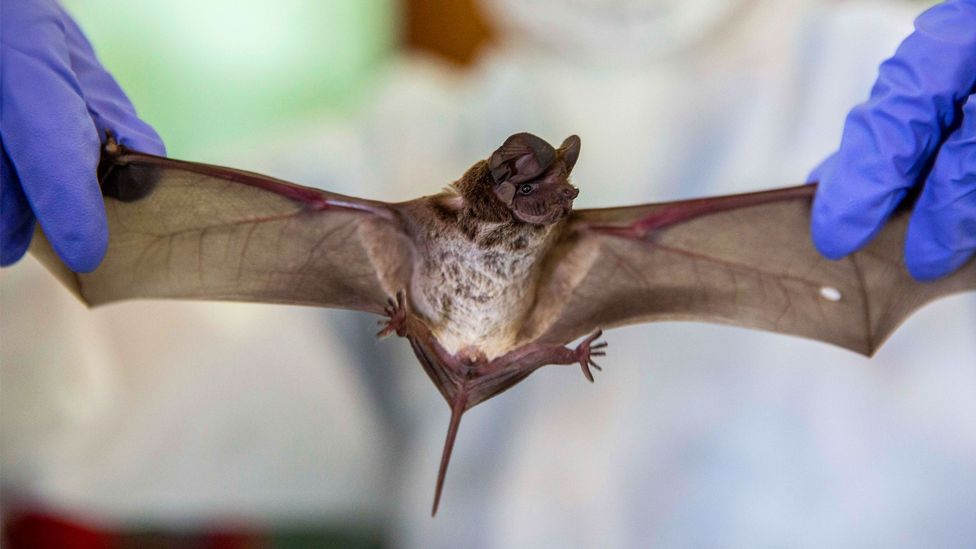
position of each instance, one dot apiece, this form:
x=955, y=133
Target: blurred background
x=216, y=76
x=168, y=424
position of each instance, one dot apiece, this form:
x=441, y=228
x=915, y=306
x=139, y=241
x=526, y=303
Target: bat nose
x=570, y=192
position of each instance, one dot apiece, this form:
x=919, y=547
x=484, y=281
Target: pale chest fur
x=474, y=295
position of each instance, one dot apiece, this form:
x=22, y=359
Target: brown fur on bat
x=491, y=280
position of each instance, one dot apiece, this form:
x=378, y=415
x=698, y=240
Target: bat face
x=545, y=200
x=532, y=178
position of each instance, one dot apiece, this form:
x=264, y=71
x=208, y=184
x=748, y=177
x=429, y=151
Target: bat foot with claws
x=588, y=349
x=396, y=311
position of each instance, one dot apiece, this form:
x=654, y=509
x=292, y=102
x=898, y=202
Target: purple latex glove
x=56, y=101
x=918, y=128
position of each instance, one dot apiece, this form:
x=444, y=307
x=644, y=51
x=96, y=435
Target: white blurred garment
x=693, y=436
x=176, y=414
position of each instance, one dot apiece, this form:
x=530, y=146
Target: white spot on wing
x=830, y=293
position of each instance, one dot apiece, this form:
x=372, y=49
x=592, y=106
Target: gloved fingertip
x=848, y=211
x=146, y=141
x=13, y=250
x=83, y=256
x=829, y=245
x=82, y=243
x=832, y=236
x=926, y=257
x=925, y=268
x=820, y=172
x=826, y=228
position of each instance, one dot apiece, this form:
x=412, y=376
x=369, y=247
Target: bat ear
x=522, y=157
x=569, y=151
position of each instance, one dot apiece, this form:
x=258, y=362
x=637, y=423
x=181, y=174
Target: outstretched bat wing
x=745, y=260
x=194, y=231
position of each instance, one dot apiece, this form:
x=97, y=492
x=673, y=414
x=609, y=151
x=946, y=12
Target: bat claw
x=586, y=372
x=397, y=316
x=585, y=352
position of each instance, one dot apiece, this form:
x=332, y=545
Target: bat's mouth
x=552, y=213
x=545, y=208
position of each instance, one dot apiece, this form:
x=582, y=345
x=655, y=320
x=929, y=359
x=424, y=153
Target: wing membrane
x=745, y=260
x=194, y=231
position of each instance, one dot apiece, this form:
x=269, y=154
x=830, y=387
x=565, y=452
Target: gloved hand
x=56, y=101
x=917, y=128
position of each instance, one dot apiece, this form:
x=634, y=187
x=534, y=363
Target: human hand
x=56, y=102
x=917, y=128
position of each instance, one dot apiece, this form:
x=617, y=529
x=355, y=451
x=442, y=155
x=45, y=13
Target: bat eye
x=525, y=189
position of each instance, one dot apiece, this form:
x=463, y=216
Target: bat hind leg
x=467, y=378
x=528, y=358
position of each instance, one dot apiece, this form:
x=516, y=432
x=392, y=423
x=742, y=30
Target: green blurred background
x=212, y=74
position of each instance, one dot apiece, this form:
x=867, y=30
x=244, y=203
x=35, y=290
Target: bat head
x=532, y=178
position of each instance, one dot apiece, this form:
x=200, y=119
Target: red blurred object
x=40, y=531
x=35, y=530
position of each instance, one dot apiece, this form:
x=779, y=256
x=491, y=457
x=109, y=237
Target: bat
x=494, y=277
